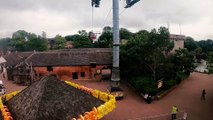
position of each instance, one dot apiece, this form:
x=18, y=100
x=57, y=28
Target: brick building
x=178, y=41
x=72, y=64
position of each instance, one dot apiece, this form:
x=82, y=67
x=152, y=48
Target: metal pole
x=115, y=79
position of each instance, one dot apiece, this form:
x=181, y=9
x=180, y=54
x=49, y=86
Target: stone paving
x=186, y=96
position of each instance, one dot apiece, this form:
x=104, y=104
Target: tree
x=206, y=45
x=159, y=45
x=5, y=44
x=125, y=34
x=60, y=42
x=105, y=40
x=24, y=41
x=107, y=29
x=184, y=63
x=83, y=33
x=69, y=38
x=81, y=41
x=147, y=50
x=210, y=62
x=19, y=39
x=190, y=44
x=198, y=53
x=20, y=34
x=132, y=56
x=37, y=43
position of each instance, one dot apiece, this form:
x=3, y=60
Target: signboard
x=160, y=83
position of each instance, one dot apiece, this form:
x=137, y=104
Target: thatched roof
x=72, y=57
x=51, y=99
x=14, y=58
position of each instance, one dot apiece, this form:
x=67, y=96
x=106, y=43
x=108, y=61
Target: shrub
x=180, y=76
x=168, y=84
x=144, y=85
x=210, y=70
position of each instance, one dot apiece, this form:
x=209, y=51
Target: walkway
x=10, y=87
x=186, y=96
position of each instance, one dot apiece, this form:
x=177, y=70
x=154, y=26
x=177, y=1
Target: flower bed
x=94, y=114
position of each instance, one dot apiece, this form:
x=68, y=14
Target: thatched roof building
x=51, y=99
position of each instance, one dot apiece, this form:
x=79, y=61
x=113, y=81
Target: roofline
x=70, y=65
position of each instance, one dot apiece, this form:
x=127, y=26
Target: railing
x=167, y=116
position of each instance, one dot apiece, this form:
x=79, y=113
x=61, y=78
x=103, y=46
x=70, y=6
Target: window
x=49, y=68
x=74, y=75
x=82, y=74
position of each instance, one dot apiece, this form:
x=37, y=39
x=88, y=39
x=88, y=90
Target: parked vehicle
x=2, y=88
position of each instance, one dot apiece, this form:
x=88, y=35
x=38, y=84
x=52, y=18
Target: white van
x=2, y=88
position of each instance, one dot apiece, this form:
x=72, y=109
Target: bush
x=168, y=84
x=180, y=76
x=144, y=85
x=210, y=70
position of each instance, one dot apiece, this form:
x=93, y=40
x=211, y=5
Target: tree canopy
x=60, y=42
x=24, y=41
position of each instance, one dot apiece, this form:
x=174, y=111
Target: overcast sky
x=65, y=17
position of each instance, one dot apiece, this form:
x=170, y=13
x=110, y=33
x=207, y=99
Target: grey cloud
x=65, y=16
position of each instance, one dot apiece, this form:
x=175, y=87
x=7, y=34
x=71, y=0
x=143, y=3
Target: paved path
x=186, y=96
x=10, y=87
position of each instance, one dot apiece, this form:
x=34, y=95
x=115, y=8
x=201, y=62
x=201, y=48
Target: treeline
x=200, y=49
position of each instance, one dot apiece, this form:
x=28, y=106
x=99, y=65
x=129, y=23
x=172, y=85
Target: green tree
x=105, y=39
x=132, y=56
x=5, y=44
x=206, y=45
x=198, y=53
x=24, y=41
x=147, y=50
x=69, y=38
x=125, y=34
x=190, y=44
x=83, y=33
x=60, y=42
x=81, y=41
x=37, y=43
x=158, y=45
x=184, y=64
x=19, y=39
x=210, y=62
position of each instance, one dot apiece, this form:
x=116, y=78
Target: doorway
x=74, y=75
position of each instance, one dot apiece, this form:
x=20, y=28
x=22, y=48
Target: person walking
x=203, y=95
x=174, y=112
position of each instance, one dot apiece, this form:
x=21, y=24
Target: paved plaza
x=186, y=96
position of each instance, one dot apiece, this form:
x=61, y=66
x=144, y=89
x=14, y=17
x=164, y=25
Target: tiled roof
x=73, y=57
